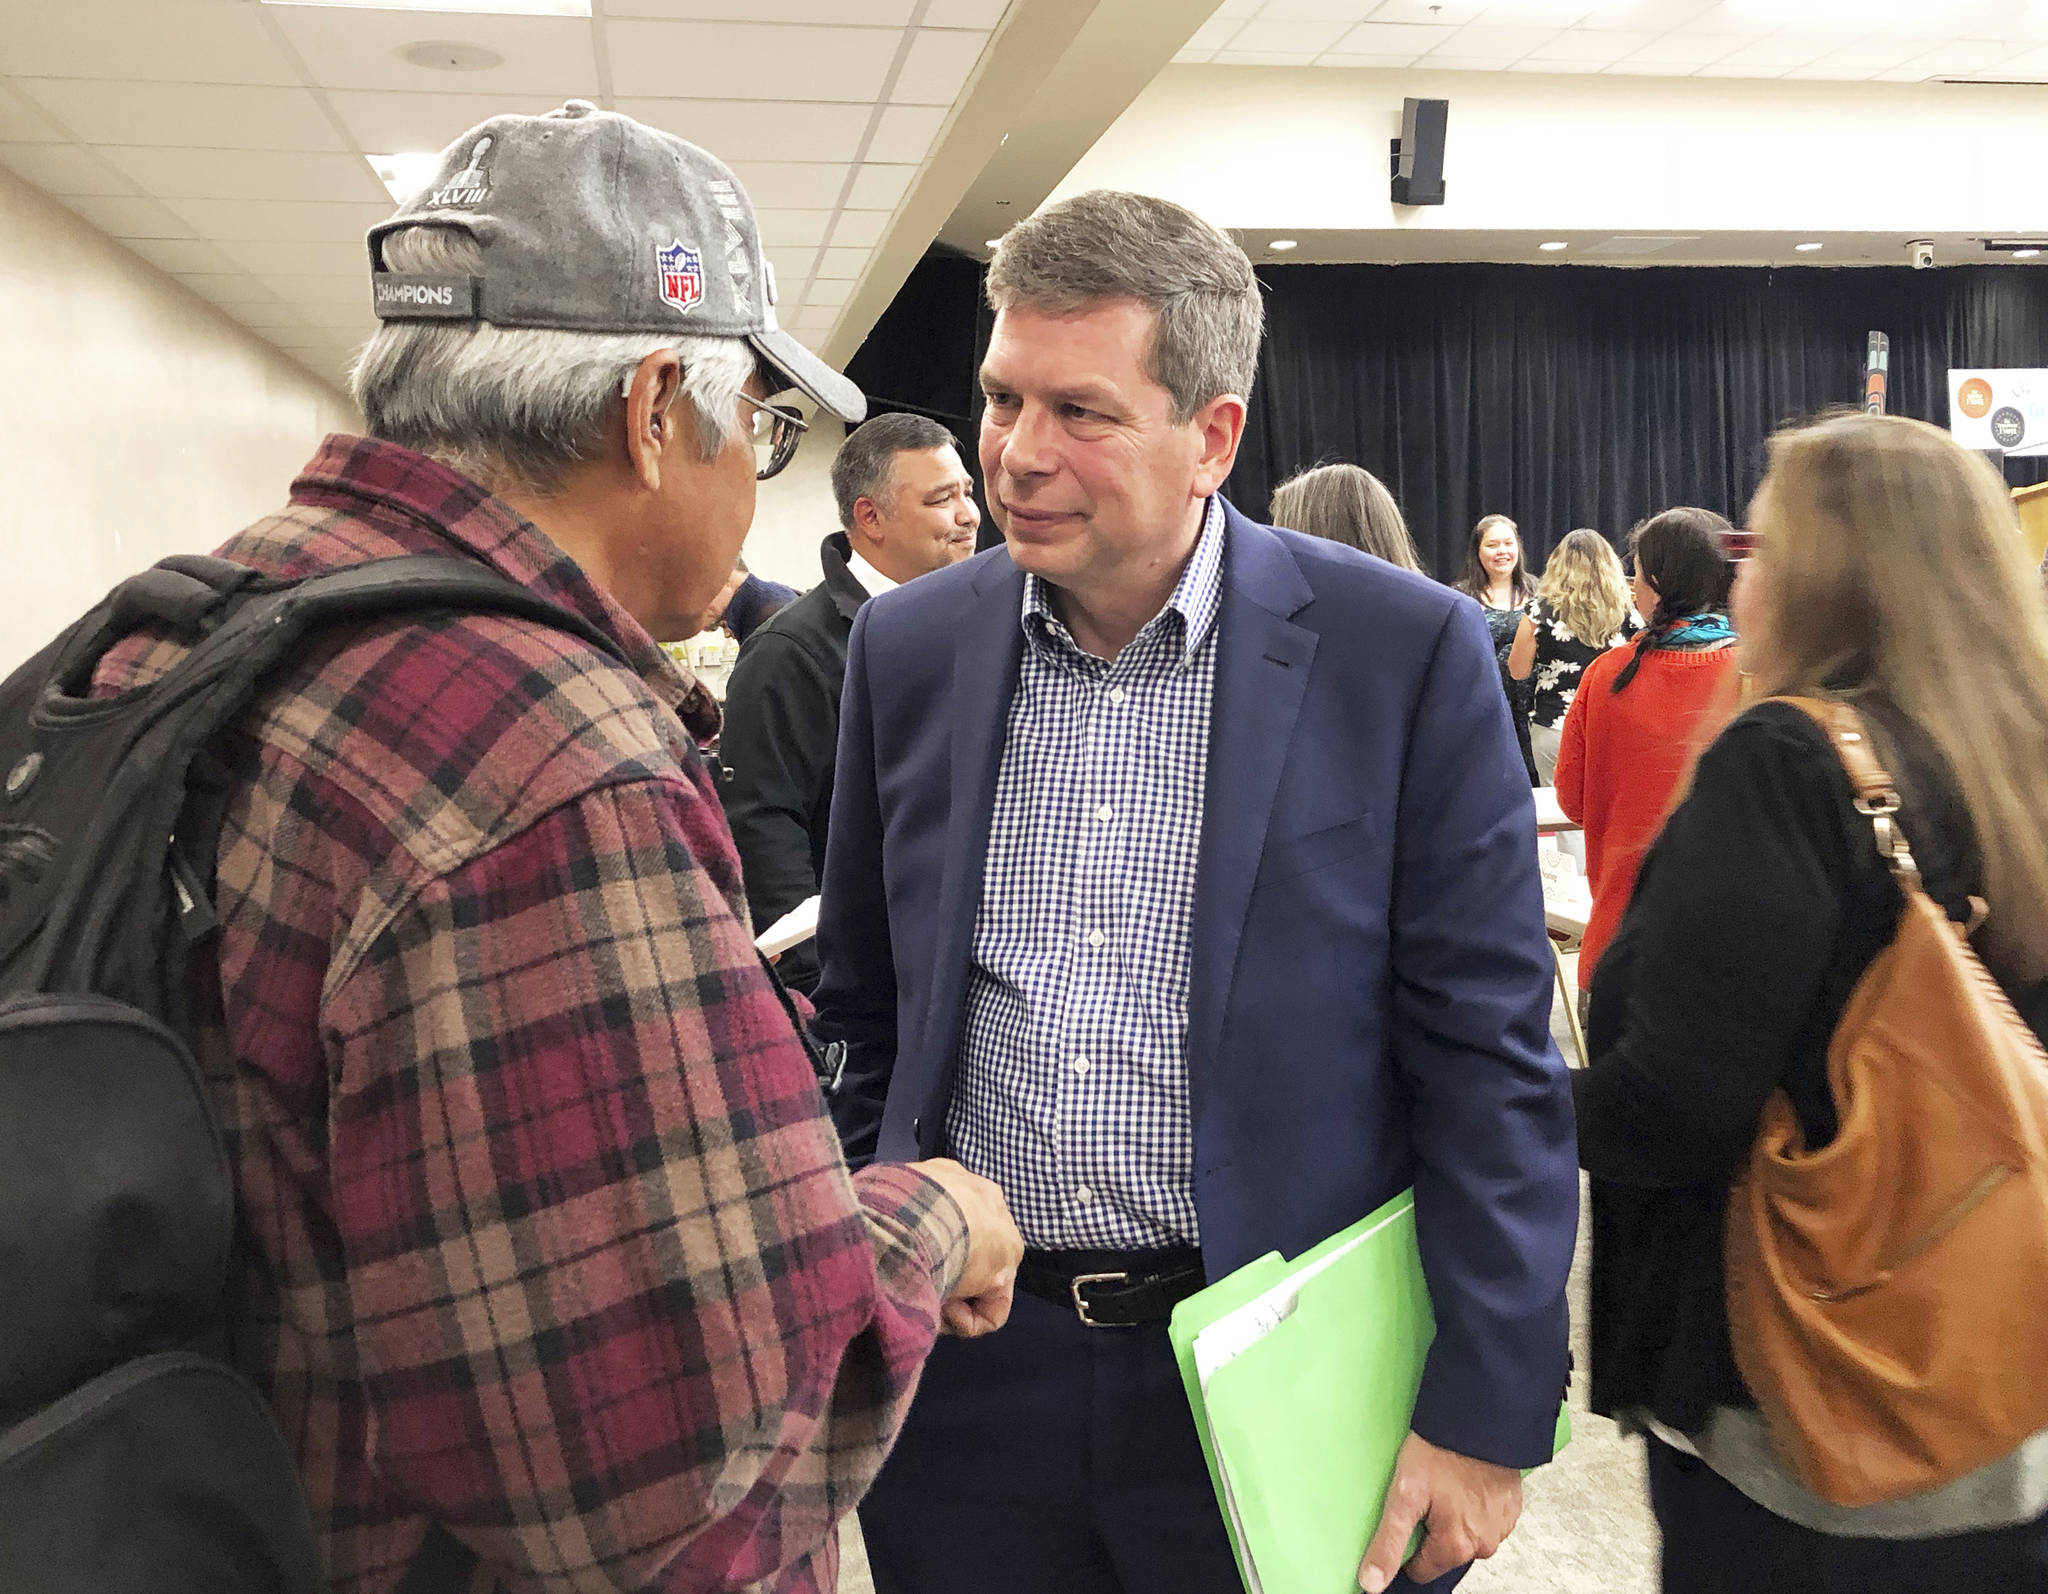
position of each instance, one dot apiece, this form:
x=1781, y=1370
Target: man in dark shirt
x=906, y=506
x=745, y=603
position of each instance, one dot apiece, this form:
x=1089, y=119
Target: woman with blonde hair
x=1581, y=609
x=1889, y=575
x=1344, y=503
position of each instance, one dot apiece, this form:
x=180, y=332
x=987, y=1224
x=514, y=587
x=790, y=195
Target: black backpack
x=133, y=1457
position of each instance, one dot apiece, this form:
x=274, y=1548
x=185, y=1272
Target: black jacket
x=1755, y=913
x=781, y=734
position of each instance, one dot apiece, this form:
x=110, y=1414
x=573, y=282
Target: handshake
x=980, y=1302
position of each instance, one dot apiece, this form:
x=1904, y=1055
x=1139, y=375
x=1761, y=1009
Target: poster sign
x=2005, y=410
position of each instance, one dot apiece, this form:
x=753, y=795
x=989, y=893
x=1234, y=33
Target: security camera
x=1921, y=253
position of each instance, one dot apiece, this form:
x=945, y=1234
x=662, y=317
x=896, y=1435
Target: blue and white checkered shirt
x=1073, y=1085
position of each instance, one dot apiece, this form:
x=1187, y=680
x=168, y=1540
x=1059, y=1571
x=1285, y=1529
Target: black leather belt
x=1113, y=1289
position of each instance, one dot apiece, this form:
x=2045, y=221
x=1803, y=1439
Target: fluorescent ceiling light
x=1552, y=248
x=990, y=243
x=403, y=175
x=1806, y=249
x=521, y=8
x=2025, y=254
x=1282, y=244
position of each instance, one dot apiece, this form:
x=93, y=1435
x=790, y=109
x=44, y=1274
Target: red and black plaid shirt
x=548, y=1238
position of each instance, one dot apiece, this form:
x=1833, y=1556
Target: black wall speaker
x=1419, y=152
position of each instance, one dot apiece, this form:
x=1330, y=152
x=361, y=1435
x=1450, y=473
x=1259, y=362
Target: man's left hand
x=1467, y=1509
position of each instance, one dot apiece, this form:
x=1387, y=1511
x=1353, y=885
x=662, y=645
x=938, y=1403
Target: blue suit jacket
x=1369, y=1001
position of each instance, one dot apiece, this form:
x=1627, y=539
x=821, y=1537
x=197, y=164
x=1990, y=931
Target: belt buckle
x=1081, y=1309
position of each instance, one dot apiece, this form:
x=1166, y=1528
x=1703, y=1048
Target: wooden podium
x=2032, y=504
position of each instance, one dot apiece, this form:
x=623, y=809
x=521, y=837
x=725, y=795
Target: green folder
x=1311, y=1370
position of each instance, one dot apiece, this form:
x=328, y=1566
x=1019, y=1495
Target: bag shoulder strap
x=1877, y=795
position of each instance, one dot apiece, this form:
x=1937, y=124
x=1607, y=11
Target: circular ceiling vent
x=450, y=55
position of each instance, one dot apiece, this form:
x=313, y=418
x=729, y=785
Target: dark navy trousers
x=1051, y=1458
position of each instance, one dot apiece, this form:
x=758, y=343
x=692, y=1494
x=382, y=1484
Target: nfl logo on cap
x=682, y=275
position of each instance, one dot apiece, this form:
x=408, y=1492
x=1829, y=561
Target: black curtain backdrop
x=1562, y=396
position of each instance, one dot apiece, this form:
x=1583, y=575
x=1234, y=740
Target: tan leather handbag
x=1888, y=1293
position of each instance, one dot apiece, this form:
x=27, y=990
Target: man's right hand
x=980, y=1302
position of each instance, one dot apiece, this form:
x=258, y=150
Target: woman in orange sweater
x=1636, y=721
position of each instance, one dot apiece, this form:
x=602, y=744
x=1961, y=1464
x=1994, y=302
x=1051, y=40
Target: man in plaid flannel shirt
x=554, y=1273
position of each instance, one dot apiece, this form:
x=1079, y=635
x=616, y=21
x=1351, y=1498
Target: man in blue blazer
x=1182, y=880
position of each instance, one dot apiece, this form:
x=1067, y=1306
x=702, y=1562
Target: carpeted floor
x=1586, y=1525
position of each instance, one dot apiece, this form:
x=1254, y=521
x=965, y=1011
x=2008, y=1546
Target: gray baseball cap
x=589, y=221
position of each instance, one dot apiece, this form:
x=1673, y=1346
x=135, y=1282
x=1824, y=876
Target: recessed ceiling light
x=2025, y=254
x=404, y=175
x=510, y=8
x=1806, y=249
x=1282, y=244
x=991, y=242
x=1553, y=247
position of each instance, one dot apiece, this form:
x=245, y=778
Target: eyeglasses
x=778, y=429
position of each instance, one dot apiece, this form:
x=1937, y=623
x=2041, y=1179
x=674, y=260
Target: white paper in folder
x=792, y=929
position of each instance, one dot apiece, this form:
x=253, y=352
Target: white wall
x=1306, y=148
x=794, y=512
x=135, y=419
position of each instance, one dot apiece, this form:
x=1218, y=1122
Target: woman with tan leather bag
x=1813, y=1110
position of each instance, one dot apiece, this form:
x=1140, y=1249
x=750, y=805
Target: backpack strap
x=1877, y=795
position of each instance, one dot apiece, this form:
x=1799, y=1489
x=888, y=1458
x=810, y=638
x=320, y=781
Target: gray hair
x=1105, y=245
x=521, y=405
x=1347, y=504
x=868, y=456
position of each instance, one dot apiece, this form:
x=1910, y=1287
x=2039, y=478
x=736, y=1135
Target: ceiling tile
x=1214, y=34
x=1450, y=13
x=229, y=290
x=879, y=187
x=1287, y=38
x=176, y=41
x=906, y=132
x=1377, y=63
x=270, y=258
x=756, y=130
x=791, y=266
x=1239, y=9
x=2034, y=64
x=182, y=254
x=197, y=115
x=1500, y=44
x=751, y=61
x=842, y=262
x=800, y=227
x=23, y=123
x=983, y=14
x=1390, y=38
x=1269, y=57
x=247, y=174
x=63, y=169
x=937, y=67
x=831, y=294
x=1574, y=44
x=793, y=185
x=1351, y=11
x=876, y=13
x=859, y=229
x=399, y=124
x=1780, y=50
x=281, y=220
x=1722, y=69
x=1193, y=57
x=333, y=293
x=1959, y=59
x=346, y=47
x=1530, y=63
x=1637, y=68
x=1459, y=63
x=129, y=218
x=1686, y=49
x=818, y=320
